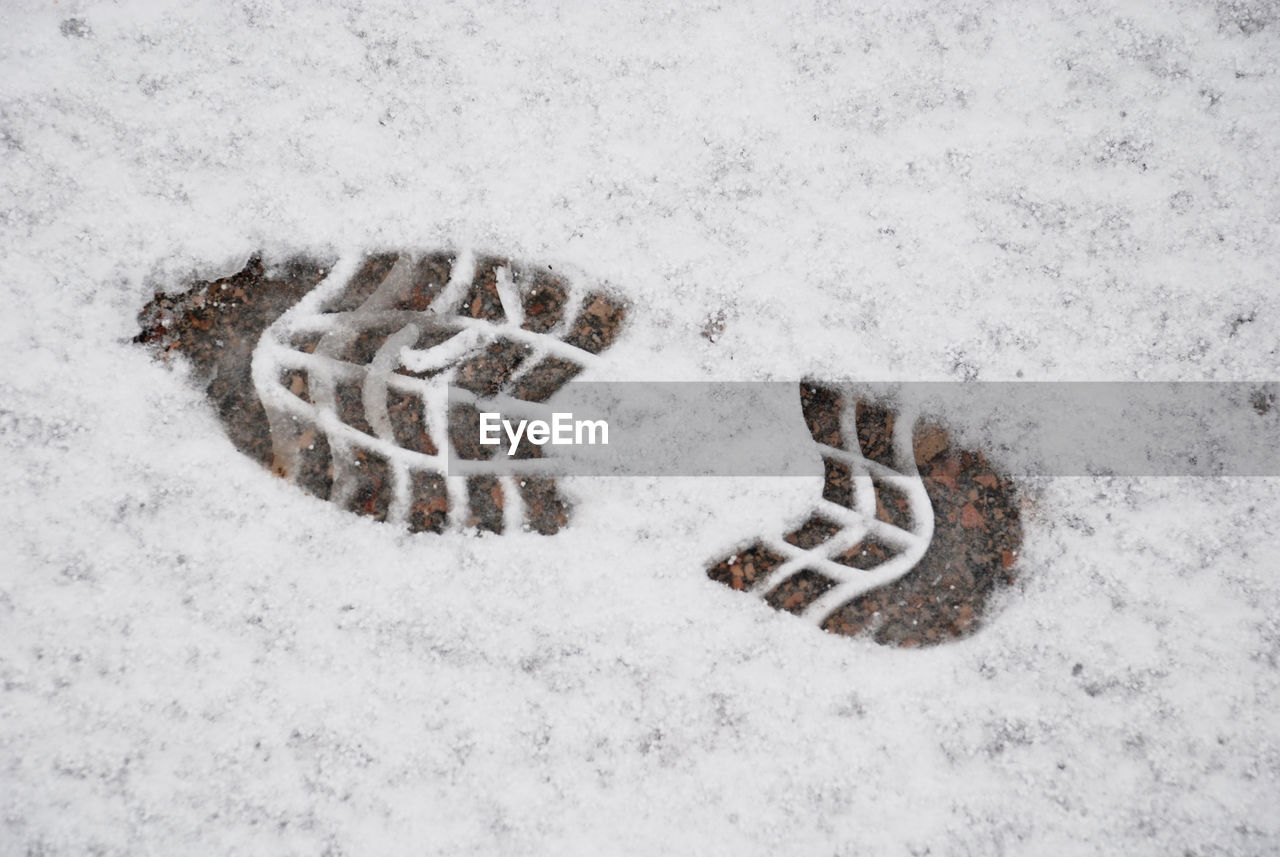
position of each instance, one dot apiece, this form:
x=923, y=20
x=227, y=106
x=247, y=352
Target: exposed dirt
x=976, y=536
x=217, y=324
x=742, y=570
x=977, y=533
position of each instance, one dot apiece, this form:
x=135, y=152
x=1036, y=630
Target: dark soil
x=488, y=372
x=408, y=422
x=464, y=433
x=350, y=407
x=543, y=380
x=546, y=510
x=217, y=324
x=543, y=296
x=430, y=277
x=813, y=532
x=976, y=537
x=798, y=591
x=364, y=283
x=428, y=502
x=486, y=503
x=977, y=534
x=598, y=325
x=743, y=569
x=866, y=554
x=373, y=485
x=482, y=300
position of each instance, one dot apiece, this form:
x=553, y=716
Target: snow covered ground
x=198, y=659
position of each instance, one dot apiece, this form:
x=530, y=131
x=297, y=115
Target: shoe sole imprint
x=335, y=375
x=906, y=543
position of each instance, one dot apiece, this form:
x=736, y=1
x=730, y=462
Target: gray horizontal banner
x=758, y=429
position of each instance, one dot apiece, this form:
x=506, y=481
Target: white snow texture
x=196, y=658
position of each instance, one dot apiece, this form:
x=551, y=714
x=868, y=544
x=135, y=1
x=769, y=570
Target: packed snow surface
x=198, y=659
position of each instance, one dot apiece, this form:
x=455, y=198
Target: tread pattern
x=336, y=375
x=907, y=541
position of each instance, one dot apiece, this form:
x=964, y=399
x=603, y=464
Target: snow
x=196, y=658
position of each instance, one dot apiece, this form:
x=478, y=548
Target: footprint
x=908, y=540
x=336, y=375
